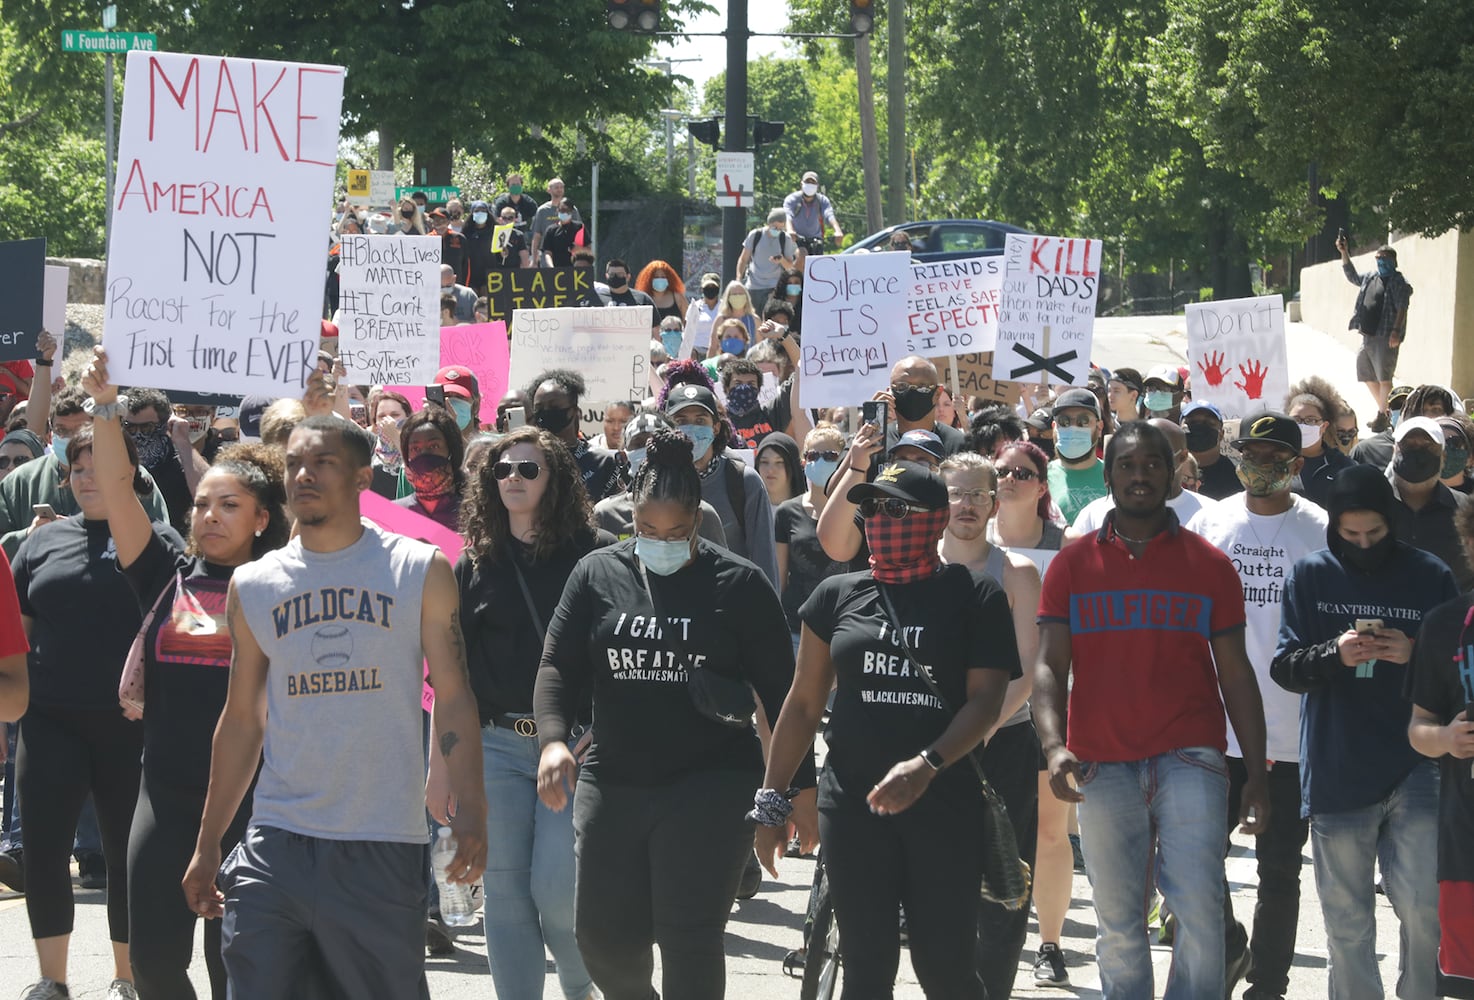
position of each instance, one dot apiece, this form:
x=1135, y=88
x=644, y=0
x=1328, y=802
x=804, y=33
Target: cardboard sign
x=389, y=308
x=537, y=288
x=217, y=259
x=358, y=187
x=954, y=306
x=22, y=285
x=1237, y=355
x=855, y=325
x=974, y=373
x=381, y=189
x=54, y=306
x=609, y=347
x=1046, y=313
x=734, y=180
x=481, y=347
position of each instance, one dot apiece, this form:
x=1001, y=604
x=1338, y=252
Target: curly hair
x=694, y=373
x=658, y=269
x=570, y=382
x=1322, y=395
x=992, y=429
x=260, y=469
x=563, y=514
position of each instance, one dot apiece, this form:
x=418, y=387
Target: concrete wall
x=85, y=282
x=1440, y=329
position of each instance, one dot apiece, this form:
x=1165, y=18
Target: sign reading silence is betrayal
x=22, y=289
x=510, y=289
x=216, y=261
x=389, y=308
x=1236, y=350
x=1046, y=316
x=854, y=325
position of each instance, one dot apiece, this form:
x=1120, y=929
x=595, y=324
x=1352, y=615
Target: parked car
x=943, y=239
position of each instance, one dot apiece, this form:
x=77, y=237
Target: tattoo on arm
x=448, y=743
x=458, y=645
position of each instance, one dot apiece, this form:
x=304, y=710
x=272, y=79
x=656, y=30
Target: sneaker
x=1380, y=422
x=92, y=870
x=121, y=989
x=12, y=871
x=1049, y=966
x=1236, y=968
x=438, y=942
x=1077, y=852
x=752, y=878
x=47, y=989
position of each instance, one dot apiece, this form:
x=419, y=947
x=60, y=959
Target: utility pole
x=734, y=220
x=869, y=142
x=895, y=110
x=109, y=22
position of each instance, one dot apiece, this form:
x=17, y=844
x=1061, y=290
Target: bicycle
x=818, y=962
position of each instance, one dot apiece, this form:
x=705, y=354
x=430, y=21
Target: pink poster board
x=481, y=347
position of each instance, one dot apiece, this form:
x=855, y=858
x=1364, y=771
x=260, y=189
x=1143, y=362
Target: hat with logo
x=912, y=482
x=1269, y=426
x=457, y=380
x=1398, y=396
x=1081, y=398
x=250, y=415
x=683, y=396
x=1040, y=420
x=926, y=440
x=1167, y=375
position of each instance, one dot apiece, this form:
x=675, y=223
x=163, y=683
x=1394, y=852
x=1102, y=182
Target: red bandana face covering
x=905, y=550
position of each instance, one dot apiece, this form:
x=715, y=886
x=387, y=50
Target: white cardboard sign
x=609, y=347
x=54, y=304
x=734, y=180
x=954, y=306
x=1236, y=352
x=1046, y=312
x=389, y=309
x=855, y=325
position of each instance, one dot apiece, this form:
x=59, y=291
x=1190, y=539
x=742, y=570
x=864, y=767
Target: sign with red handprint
x=1236, y=349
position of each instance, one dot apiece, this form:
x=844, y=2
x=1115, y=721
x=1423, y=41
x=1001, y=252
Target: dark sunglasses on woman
x=6, y=461
x=1022, y=475
x=526, y=469
x=821, y=456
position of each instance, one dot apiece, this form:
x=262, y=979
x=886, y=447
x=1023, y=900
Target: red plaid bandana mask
x=904, y=550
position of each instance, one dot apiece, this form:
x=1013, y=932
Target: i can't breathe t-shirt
x=884, y=712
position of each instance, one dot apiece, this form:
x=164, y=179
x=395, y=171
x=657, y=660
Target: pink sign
x=481, y=347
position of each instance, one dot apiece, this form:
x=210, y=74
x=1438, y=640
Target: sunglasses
x=1020, y=475
x=821, y=456
x=892, y=507
x=140, y=426
x=525, y=469
x=6, y=461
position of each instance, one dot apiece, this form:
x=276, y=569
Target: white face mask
x=811, y=189
x=1309, y=435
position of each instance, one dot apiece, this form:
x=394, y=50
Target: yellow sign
x=358, y=184
x=499, y=237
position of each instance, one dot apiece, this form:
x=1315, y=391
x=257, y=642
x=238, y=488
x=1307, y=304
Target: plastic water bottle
x=457, y=908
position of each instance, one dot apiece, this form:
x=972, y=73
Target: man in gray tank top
x=329, y=636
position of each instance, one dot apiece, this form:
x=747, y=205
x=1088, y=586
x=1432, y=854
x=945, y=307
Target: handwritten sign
x=480, y=347
x=22, y=280
x=1046, y=313
x=537, y=288
x=216, y=262
x=389, y=308
x=609, y=347
x=1236, y=351
x=855, y=325
x=54, y=307
x=954, y=306
x=975, y=378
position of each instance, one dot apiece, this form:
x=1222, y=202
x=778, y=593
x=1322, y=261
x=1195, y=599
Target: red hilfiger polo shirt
x=1144, y=678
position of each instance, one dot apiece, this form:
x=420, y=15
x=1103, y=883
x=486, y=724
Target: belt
x=522, y=725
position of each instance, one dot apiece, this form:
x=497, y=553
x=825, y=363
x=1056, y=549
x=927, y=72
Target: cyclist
x=807, y=212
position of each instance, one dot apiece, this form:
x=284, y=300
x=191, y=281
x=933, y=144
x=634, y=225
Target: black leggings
x=660, y=865
x=928, y=859
x=161, y=925
x=63, y=754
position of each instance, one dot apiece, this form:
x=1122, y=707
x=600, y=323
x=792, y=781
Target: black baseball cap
x=682, y=396
x=1267, y=425
x=1082, y=398
x=926, y=440
x=909, y=481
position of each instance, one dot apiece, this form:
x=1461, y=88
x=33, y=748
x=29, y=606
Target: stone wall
x=85, y=282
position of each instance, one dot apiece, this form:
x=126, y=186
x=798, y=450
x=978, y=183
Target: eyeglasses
x=140, y=426
x=974, y=497
x=1309, y=421
x=525, y=469
x=893, y=507
x=6, y=461
x=821, y=456
x=1019, y=475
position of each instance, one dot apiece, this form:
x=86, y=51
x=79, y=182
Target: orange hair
x=656, y=269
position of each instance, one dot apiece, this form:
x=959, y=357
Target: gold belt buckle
x=525, y=727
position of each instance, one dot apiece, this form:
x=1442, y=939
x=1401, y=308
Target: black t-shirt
x=605, y=635
x=172, y=485
x=1221, y=479
x=86, y=615
x=631, y=296
x=510, y=255
x=558, y=242
x=1437, y=684
x=1375, y=451
x=503, y=643
x=524, y=206
x=808, y=566
x=883, y=713
x=186, y=660
x=599, y=470
x=760, y=421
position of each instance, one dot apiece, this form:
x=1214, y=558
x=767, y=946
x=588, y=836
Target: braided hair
x=669, y=473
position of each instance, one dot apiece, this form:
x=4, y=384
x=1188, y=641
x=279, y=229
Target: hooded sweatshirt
x=788, y=448
x=1354, y=749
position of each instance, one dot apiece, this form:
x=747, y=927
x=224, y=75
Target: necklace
x=1134, y=541
x=1283, y=516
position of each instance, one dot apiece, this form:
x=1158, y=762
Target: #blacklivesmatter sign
x=389, y=308
x=1046, y=315
x=1236, y=349
x=855, y=325
x=216, y=262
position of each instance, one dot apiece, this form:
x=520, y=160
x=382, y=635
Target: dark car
x=943, y=239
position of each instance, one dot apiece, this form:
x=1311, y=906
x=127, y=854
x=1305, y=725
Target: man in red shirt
x=1141, y=612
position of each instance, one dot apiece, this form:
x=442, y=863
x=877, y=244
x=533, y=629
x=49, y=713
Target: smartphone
x=44, y=510
x=877, y=412
x=435, y=394
x=516, y=417
x=1366, y=626
x=1341, y=233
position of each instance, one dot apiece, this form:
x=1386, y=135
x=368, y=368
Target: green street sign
x=434, y=193
x=109, y=41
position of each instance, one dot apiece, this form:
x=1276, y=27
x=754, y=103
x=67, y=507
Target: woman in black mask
x=702, y=313
x=434, y=453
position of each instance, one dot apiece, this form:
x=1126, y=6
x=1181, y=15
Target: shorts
x=1376, y=361
x=1456, y=939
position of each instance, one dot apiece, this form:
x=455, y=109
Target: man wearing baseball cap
x=919, y=446
x=1376, y=450
x=767, y=252
x=462, y=396
x=1076, y=474
x=1163, y=396
x=807, y=211
x=1424, y=513
x=1202, y=422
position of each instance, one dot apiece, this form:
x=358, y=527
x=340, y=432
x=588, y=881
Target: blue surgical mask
x=59, y=448
x=659, y=284
x=671, y=341
x=462, y=409
x=701, y=439
x=636, y=457
x=1392, y=419
x=795, y=289
x=565, y=216
x=1158, y=400
x=1073, y=442
x=1385, y=267
x=662, y=558
x=479, y=218
x=819, y=470
x=734, y=345
x=774, y=230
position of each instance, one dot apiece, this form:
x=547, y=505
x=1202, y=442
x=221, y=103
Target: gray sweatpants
x=355, y=909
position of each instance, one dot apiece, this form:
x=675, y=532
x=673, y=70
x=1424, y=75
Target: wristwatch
x=934, y=760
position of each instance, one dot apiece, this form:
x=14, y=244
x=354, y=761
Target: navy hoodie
x=1354, y=749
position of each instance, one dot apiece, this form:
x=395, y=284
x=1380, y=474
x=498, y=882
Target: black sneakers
x=1049, y=966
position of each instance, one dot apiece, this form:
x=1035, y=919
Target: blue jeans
x=529, y=874
x=1401, y=832
x=1180, y=800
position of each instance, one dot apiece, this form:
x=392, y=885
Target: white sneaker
x=47, y=989
x=121, y=989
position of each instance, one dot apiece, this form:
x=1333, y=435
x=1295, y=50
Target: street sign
x=734, y=180
x=434, y=193
x=109, y=41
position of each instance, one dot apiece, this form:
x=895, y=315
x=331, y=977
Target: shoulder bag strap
x=537, y=619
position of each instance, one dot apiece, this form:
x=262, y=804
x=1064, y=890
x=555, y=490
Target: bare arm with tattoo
x=455, y=719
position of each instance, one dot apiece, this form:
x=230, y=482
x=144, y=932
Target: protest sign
x=216, y=263
x=954, y=306
x=1046, y=312
x=974, y=373
x=480, y=347
x=22, y=284
x=855, y=328
x=389, y=308
x=536, y=288
x=1236, y=351
x=54, y=305
x=609, y=347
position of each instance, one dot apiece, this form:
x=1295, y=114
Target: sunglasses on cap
x=893, y=507
x=525, y=469
x=1021, y=475
x=821, y=456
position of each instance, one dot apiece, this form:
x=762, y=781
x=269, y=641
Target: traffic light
x=707, y=130
x=765, y=132
x=862, y=16
x=633, y=15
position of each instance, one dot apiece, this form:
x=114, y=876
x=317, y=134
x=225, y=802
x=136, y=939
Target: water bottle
x=457, y=908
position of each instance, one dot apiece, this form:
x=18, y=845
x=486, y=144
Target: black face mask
x=915, y=402
x=1371, y=558
x=710, y=291
x=1416, y=465
x=618, y=280
x=1200, y=437
x=553, y=421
